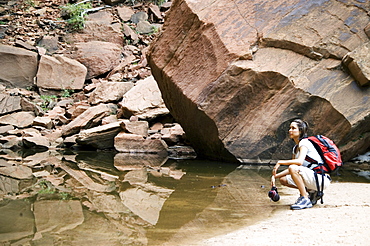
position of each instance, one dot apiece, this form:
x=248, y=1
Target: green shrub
x=67, y=93
x=47, y=100
x=157, y=2
x=45, y=187
x=30, y=3
x=76, y=15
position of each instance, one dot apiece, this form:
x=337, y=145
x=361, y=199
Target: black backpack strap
x=322, y=184
x=319, y=150
x=320, y=192
x=313, y=163
x=310, y=160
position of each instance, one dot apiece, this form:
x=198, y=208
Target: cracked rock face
x=234, y=74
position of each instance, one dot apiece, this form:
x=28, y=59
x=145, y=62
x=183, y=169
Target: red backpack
x=329, y=153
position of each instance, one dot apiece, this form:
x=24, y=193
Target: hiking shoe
x=301, y=203
x=315, y=196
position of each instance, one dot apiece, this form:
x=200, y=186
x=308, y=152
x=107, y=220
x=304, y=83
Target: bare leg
x=284, y=181
x=294, y=172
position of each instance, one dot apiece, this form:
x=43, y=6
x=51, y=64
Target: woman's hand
x=273, y=180
x=274, y=171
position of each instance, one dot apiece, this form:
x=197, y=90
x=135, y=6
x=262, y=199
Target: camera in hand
x=273, y=194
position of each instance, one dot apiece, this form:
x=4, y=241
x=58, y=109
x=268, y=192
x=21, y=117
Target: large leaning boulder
x=235, y=74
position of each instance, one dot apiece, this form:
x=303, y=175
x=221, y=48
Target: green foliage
x=76, y=15
x=46, y=191
x=67, y=93
x=47, y=100
x=31, y=88
x=30, y=3
x=46, y=187
x=64, y=195
x=155, y=29
x=76, y=22
x=157, y=2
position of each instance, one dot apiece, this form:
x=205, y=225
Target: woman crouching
x=299, y=174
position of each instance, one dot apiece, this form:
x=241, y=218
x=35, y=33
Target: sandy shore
x=343, y=219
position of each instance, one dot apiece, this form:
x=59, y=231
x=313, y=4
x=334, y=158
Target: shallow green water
x=105, y=199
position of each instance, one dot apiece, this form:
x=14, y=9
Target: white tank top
x=312, y=152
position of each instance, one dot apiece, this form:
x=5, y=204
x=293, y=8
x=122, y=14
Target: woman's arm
x=279, y=175
x=282, y=174
x=299, y=161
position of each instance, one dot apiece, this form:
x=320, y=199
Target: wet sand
x=343, y=219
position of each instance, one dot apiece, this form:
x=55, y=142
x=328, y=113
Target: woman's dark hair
x=303, y=127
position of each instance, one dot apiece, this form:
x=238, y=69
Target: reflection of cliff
x=114, y=204
x=88, y=182
x=192, y=195
x=108, y=199
x=147, y=204
x=239, y=201
x=16, y=220
x=56, y=216
x=143, y=199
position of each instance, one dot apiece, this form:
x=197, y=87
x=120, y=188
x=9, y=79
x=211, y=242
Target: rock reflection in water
x=212, y=203
x=105, y=198
x=16, y=220
x=56, y=216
